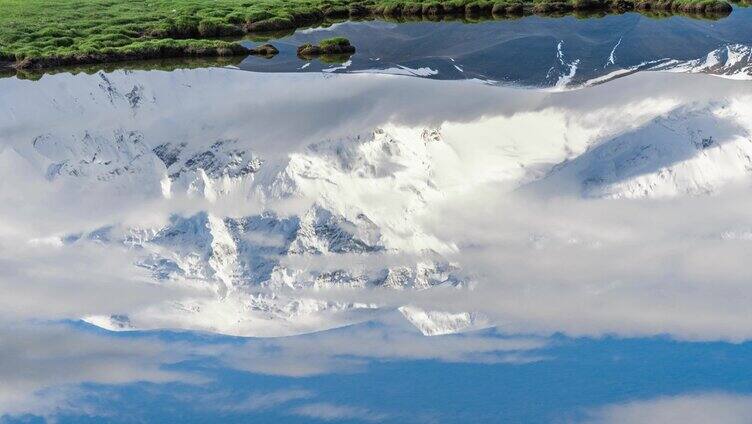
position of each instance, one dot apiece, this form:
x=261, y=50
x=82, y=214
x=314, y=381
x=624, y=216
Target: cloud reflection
x=540, y=261
x=43, y=365
x=448, y=176
x=727, y=408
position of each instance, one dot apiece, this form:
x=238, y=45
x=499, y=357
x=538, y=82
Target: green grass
x=47, y=28
x=334, y=41
x=85, y=31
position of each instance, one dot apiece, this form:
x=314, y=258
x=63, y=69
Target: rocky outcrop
x=266, y=50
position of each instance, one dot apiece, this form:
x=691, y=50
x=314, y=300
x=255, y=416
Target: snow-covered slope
x=435, y=323
x=688, y=151
x=732, y=61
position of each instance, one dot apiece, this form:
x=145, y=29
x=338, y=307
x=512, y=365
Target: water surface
x=531, y=51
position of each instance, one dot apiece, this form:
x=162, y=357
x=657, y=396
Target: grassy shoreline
x=37, y=34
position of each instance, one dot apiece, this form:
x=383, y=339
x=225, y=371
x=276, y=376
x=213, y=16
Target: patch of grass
x=334, y=41
x=336, y=46
x=53, y=31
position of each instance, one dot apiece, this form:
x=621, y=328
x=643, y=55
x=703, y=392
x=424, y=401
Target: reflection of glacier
x=563, y=71
x=251, y=260
x=733, y=61
x=255, y=262
x=687, y=151
x=267, y=220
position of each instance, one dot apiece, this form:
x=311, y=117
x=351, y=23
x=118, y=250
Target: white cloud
x=702, y=408
x=42, y=366
x=593, y=267
x=258, y=401
x=605, y=266
x=43, y=281
x=333, y=412
x=348, y=349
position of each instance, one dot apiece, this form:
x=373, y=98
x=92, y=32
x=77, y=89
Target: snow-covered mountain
x=252, y=199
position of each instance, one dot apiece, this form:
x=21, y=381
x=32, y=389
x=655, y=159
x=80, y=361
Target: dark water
x=532, y=51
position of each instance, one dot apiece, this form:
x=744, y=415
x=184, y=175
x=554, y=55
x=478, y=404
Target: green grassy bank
x=48, y=33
